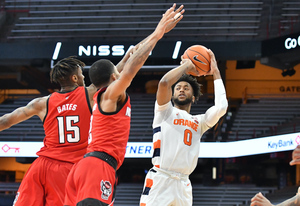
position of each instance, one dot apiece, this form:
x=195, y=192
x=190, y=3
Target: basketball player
x=260, y=200
x=177, y=134
x=64, y=115
x=92, y=180
x=66, y=120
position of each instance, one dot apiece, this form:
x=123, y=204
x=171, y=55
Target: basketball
x=199, y=55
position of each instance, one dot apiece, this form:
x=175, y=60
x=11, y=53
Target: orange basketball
x=199, y=55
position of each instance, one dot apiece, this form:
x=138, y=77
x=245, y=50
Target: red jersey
x=110, y=131
x=66, y=125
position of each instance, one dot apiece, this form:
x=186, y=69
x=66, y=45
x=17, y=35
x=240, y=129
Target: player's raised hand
x=190, y=68
x=169, y=20
x=177, y=17
x=213, y=63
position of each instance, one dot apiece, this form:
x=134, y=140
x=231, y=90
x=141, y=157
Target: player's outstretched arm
x=138, y=58
x=35, y=107
x=178, y=15
x=121, y=64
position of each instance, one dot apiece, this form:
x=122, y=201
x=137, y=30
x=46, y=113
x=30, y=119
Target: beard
x=184, y=102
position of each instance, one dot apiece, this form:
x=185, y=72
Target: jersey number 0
x=188, y=137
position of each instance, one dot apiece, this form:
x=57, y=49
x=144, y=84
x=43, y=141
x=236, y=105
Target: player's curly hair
x=100, y=72
x=65, y=68
x=193, y=82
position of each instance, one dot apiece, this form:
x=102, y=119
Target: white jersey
x=176, y=143
x=176, y=138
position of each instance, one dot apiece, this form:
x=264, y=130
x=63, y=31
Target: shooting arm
x=164, y=92
x=214, y=113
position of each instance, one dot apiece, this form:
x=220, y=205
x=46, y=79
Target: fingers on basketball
x=200, y=57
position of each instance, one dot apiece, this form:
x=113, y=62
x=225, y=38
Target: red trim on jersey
x=110, y=131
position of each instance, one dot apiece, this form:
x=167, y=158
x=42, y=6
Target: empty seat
x=259, y=118
x=50, y=19
x=224, y=195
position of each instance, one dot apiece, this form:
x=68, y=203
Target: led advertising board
x=284, y=44
x=240, y=148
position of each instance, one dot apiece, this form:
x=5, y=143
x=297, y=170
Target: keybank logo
x=298, y=139
x=280, y=143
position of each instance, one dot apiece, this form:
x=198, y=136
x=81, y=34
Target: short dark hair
x=65, y=68
x=100, y=72
x=193, y=82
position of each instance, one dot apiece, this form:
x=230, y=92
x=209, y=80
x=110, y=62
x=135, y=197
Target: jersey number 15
x=67, y=125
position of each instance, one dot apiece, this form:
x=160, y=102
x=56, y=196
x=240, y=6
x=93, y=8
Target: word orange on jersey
x=185, y=122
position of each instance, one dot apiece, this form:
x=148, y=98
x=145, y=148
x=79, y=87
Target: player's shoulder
x=38, y=103
x=92, y=89
x=163, y=107
x=41, y=99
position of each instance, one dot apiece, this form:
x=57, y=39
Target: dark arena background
x=256, y=43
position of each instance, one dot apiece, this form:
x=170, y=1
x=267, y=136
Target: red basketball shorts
x=90, y=181
x=44, y=183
